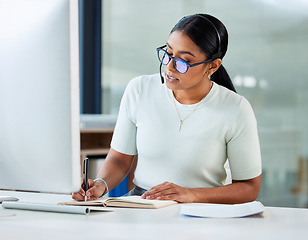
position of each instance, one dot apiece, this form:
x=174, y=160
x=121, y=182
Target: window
x=267, y=61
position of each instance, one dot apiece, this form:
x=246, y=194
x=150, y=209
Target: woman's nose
x=170, y=65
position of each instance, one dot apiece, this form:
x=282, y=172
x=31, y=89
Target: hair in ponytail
x=211, y=36
x=222, y=78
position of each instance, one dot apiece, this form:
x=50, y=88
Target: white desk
x=165, y=223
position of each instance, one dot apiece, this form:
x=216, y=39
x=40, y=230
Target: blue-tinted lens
x=163, y=56
x=180, y=65
x=165, y=59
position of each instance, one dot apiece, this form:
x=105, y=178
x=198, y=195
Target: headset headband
x=218, y=54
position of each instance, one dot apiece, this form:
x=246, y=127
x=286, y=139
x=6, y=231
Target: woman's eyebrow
x=182, y=52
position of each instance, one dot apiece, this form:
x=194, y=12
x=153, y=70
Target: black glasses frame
x=175, y=58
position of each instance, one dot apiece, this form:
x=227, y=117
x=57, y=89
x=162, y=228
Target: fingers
x=79, y=196
x=95, y=191
x=92, y=194
x=158, y=188
x=90, y=183
x=162, y=191
x=169, y=191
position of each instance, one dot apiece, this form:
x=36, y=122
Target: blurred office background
x=267, y=60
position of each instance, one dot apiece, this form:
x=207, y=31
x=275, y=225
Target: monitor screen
x=39, y=96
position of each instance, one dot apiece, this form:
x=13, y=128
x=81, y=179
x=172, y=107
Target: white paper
x=221, y=210
x=8, y=198
x=46, y=207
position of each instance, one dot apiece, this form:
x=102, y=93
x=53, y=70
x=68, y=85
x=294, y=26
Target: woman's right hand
x=95, y=190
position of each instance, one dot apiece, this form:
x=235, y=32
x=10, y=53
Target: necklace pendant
x=180, y=125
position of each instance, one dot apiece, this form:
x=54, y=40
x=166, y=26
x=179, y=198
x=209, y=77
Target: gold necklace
x=182, y=120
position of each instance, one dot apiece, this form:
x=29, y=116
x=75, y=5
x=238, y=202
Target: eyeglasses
x=179, y=64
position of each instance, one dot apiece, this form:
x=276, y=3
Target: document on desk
x=49, y=207
x=7, y=198
x=221, y=210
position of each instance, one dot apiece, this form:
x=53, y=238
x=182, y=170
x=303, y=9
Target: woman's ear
x=214, y=65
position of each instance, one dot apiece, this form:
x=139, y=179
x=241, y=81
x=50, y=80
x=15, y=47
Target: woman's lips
x=171, y=79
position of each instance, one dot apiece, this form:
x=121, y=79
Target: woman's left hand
x=170, y=191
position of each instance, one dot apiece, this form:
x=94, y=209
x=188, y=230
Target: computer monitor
x=39, y=96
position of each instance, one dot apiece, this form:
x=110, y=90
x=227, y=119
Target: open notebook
x=128, y=202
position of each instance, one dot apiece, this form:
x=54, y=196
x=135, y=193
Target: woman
x=185, y=129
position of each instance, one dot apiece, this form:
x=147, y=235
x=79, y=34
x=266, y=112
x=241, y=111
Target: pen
x=85, y=172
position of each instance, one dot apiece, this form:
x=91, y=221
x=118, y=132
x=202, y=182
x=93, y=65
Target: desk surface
x=165, y=223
